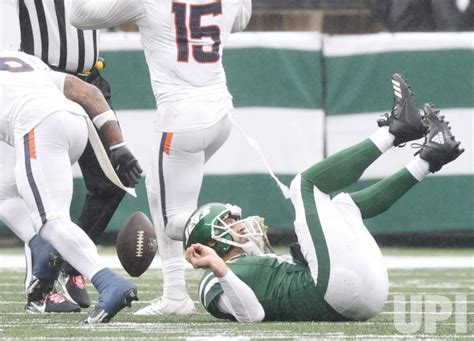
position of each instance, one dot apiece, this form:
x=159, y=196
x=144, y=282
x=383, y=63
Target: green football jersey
x=285, y=289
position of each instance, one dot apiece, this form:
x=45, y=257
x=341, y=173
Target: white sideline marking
x=392, y=262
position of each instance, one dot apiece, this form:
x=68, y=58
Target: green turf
x=440, y=282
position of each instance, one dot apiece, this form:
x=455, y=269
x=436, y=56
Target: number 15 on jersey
x=194, y=30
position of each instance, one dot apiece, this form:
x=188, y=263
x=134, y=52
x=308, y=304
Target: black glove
x=126, y=166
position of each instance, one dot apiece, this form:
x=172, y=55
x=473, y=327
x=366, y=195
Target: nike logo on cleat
x=438, y=138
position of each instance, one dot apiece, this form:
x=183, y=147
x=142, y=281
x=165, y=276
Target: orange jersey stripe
x=167, y=147
x=32, y=144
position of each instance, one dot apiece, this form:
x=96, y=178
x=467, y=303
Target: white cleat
x=168, y=306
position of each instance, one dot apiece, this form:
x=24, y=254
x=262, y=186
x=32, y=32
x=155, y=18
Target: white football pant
x=357, y=287
x=173, y=186
x=44, y=179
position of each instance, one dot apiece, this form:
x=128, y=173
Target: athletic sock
x=343, y=168
x=41, y=253
x=174, y=285
x=73, y=245
x=175, y=292
x=418, y=167
x=378, y=197
x=383, y=139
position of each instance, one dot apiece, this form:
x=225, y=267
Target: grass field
x=453, y=286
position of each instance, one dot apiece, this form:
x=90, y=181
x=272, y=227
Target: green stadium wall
x=303, y=96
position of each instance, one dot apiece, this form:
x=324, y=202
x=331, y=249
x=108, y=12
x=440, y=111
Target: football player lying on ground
x=49, y=133
x=337, y=272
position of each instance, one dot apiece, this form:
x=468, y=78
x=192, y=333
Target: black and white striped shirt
x=47, y=34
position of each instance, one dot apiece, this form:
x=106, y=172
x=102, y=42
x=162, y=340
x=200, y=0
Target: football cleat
x=115, y=293
x=74, y=288
x=101, y=315
x=38, y=289
x=168, y=306
x=440, y=146
x=404, y=121
x=52, y=303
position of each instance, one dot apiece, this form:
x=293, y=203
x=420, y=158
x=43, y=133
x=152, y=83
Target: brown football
x=136, y=244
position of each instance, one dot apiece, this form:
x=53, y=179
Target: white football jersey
x=29, y=92
x=183, y=44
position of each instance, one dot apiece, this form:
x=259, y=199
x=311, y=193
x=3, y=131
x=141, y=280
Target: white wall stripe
x=347, y=45
x=291, y=139
x=345, y=130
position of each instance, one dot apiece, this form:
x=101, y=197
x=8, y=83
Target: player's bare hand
x=203, y=257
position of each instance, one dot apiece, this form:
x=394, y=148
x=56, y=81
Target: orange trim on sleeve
x=32, y=144
x=167, y=147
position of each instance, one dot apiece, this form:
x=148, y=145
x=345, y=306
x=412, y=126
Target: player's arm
x=94, y=103
x=98, y=14
x=237, y=299
x=243, y=16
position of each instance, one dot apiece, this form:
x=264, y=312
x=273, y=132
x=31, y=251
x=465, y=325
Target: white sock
x=171, y=254
x=74, y=245
x=175, y=292
x=382, y=139
x=418, y=167
x=174, y=285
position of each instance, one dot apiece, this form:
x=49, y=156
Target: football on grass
x=136, y=244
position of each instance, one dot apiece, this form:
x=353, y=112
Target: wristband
x=118, y=145
x=101, y=119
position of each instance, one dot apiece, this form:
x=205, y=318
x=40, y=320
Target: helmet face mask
x=217, y=222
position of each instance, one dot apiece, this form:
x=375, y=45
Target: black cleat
x=440, y=146
x=42, y=299
x=38, y=289
x=101, y=315
x=404, y=121
x=74, y=288
x=52, y=303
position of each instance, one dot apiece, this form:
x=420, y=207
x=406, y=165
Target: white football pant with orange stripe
x=173, y=186
x=13, y=211
x=44, y=179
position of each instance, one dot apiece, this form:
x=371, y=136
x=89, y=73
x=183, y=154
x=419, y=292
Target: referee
x=47, y=34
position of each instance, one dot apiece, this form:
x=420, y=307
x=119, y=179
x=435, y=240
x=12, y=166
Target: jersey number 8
x=196, y=31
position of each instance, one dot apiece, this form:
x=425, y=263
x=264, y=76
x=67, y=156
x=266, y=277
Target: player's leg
x=173, y=185
x=40, y=274
x=356, y=260
x=173, y=188
x=318, y=220
x=102, y=198
x=100, y=204
x=439, y=148
x=44, y=180
x=12, y=207
x=346, y=167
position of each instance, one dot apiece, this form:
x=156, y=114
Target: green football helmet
x=207, y=226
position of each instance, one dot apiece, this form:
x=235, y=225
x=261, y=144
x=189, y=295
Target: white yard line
x=392, y=262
